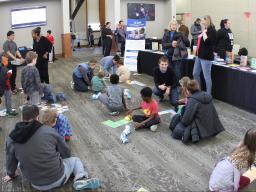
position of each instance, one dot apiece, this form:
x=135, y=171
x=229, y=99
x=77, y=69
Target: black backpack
x=3, y=73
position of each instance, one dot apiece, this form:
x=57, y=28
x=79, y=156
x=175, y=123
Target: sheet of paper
x=137, y=83
x=115, y=124
x=167, y=112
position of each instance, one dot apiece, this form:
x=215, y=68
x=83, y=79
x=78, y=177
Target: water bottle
x=127, y=129
x=124, y=138
x=127, y=94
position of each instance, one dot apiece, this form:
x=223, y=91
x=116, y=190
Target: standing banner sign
x=135, y=41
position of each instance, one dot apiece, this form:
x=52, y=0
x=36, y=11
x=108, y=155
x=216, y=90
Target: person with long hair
x=225, y=39
x=227, y=174
x=42, y=46
x=205, y=56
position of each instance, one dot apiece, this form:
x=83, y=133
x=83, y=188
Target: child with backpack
x=5, y=90
x=59, y=122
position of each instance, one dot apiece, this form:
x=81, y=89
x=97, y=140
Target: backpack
x=3, y=73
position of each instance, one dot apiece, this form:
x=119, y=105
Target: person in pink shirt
x=150, y=118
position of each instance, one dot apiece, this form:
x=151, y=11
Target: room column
x=66, y=35
x=173, y=8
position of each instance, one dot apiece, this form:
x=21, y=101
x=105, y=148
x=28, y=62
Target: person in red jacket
x=51, y=39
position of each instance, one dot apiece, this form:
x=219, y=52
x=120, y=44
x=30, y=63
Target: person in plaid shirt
x=59, y=122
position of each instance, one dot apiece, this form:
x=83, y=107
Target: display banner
x=135, y=41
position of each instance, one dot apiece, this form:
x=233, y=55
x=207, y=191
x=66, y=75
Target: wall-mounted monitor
x=141, y=11
x=28, y=17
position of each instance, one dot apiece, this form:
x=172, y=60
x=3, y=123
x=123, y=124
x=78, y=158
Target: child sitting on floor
x=114, y=98
x=184, y=94
x=151, y=118
x=123, y=72
x=59, y=122
x=228, y=173
x=98, y=83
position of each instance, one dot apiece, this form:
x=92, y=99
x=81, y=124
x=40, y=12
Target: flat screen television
x=28, y=17
x=141, y=11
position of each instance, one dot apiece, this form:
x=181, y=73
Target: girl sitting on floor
x=227, y=174
x=59, y=122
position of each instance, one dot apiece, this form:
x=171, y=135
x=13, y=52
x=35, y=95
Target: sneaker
x=11, y=114
x=87, y=184
x=115, y=113
x=153, y=128
x=72, y=84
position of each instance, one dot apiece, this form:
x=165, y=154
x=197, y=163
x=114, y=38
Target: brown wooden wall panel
x=102, y=10
x=66, y=45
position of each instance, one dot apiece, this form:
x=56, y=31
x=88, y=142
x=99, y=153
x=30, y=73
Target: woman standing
x=42, y=46
x=107, y=39
x=225, y=39
x=205, y=56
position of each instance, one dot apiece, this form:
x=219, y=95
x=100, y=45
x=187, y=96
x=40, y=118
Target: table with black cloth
x=230, y=85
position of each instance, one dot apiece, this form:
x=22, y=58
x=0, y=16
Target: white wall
x=162, y=16
x=244, y=31
x=23, y=35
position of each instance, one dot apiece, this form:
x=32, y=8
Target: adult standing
x=225, y=39
x=184, y=29
x=42, y=46
x=107, y=39
x=172, y=40
x=165, y=81
x=205, y=56
x=121, y=33
x=195, y=30
x=50, y=37
x=109, y=64
x=11, y=51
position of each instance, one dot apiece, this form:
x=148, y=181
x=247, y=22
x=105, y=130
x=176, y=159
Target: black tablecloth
x=230, y=85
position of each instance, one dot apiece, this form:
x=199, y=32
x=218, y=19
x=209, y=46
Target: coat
x=167, y=42
x=207, y=46
x=200, y=112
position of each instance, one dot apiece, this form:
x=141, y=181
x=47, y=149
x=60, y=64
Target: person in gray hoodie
x=200, y=119
x=42, y=155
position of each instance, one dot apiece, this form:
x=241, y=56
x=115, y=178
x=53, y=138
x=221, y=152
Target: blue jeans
x=206, y=67
x=174, y=96
x=80, y=84
x=177, y=67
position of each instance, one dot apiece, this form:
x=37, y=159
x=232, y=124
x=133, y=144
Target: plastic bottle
x=124, y=138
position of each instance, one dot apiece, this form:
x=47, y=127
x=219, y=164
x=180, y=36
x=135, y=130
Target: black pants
x=141, y=118
x=122, y=48
x=80, y=84
x=42, y=67
x=13, y=76
x=108, y=46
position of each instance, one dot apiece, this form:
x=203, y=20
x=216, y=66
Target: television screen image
x=28, y=17
x=141, y=11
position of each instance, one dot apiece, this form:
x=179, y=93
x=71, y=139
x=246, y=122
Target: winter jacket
x=224, y=42
x=39, y=149
x=206, y=47
x=201, y=113
x=182, y=44
x=167, y=42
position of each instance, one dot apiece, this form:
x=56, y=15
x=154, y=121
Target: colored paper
x=115, y=124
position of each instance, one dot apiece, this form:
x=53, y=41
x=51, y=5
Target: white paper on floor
x=137, y=83
x=3, y=112
x=167, y=112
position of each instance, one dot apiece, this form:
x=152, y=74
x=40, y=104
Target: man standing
x=121, y=33
x=11, y=51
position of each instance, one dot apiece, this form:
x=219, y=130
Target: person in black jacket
x=107, y=39
x=225, y=39
x=165, y=81
x=42, y=46
x=170, y=42
x=205, y=56
x=200, y=119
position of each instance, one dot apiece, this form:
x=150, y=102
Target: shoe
x=72, y=84
x=11, y=114
x=153, y=128
x=14, y=91
x=67, y=138
x=115, y=113
x=87, y=184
